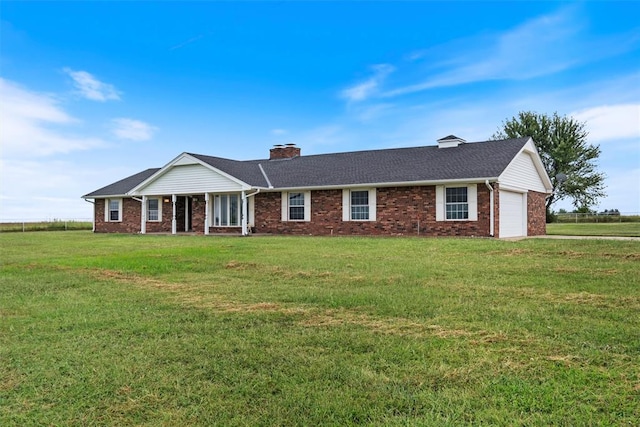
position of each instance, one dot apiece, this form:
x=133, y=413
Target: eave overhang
x=385, y=184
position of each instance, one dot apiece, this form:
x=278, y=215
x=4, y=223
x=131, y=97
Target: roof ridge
x=361, y=151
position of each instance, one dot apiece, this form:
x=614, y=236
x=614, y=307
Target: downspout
x=245, y=211
x=253, y=194
x=143, y=219
x=491, y=209
x=93, y=220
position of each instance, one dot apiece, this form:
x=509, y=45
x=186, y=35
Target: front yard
x=194, y=330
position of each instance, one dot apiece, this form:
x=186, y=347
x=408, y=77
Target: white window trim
x=107, y=210
x=285, y=206
x=346, y=204
x=159, y=199
x=213, y=210
x=472, y=200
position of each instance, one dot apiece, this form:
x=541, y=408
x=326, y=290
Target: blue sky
x=92, y=92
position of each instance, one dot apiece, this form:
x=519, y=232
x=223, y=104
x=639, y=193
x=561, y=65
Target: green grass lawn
x=194, y=330
x=56, y=225
x=618, y=229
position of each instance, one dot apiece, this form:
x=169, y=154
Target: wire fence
x=597, y=217
x=24, y=225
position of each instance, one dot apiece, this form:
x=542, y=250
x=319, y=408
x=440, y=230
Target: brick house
x=455, y=188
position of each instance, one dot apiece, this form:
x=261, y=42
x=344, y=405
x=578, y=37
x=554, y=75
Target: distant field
x=45, y=226
x=193, y=330
x=621, y=229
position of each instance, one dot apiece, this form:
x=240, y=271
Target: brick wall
x=131, y=212
x=198, y=208
x=400, y=211
x=406, y=211
x=163, y=226
x=536, y=214
x=496, y=211
x=130, y=218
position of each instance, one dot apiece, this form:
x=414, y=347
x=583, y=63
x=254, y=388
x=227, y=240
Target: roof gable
x=187, y=174
x=526, y=171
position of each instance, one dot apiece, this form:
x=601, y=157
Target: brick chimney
x=287, y=151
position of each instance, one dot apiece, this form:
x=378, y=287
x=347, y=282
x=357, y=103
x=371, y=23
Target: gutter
x=386, y=184
x=491, y=209
x=252, y=194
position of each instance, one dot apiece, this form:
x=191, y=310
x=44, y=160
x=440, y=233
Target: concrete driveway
x=554, y=236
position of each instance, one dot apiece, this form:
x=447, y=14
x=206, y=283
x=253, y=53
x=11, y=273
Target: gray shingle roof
x=467, y=161
x=245, y=170
x=486, y=159
x=120, y=188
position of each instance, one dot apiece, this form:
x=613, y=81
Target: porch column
x=206, y=213
x=143, y=216
x=187, y=213
x=244, y=213
x=174, y=225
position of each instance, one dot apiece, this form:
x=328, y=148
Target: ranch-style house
x=454, y=188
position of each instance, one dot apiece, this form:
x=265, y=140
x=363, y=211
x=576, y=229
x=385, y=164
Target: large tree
x=564, y=150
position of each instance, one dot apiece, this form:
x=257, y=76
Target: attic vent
x=450, y=141
x=287, y=151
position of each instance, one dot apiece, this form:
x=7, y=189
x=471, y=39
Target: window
x=296, y=206
x=456, y=204
x=359, y=205
x=153, y=209
x=226, y=210
x=113, y=210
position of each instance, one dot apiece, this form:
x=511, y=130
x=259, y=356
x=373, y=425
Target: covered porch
x=200, y=213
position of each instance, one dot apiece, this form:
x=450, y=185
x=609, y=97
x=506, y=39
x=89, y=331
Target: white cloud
x=373, y=112
x=279, y=132
x=365, y=89
x=35, y=189
x=91, y=88
x=187, y=42
x=538, y=47
x=317, y=139
x=611, y=122
x=31, y=124
x=134, y=130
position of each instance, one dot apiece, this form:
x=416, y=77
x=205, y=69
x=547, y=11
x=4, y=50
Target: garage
x=513, y=214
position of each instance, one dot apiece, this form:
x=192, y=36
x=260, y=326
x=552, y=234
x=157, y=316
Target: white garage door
x=513, y=219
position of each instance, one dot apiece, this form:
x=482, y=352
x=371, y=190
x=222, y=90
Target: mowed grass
x=185, y=330
x=617, y=229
